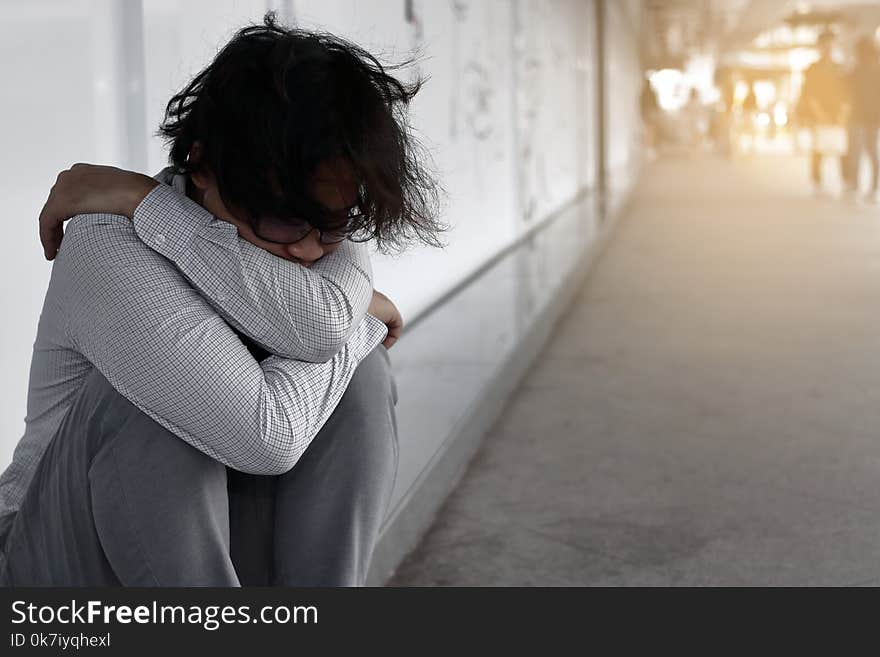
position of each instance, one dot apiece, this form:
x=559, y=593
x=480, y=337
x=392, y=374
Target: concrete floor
x=707, y=414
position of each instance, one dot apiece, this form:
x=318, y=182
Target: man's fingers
x=381, y=307
x=394, y=331
x=389, y=341
x=51, y=232
x=56, y=210
x=51, y=242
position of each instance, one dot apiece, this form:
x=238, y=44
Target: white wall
x=56, y=79
x=623, y=78
x=508, y=113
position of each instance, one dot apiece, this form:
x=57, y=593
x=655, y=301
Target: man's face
x=334, y=186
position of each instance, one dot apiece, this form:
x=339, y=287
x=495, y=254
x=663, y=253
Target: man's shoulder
x=88, y=221
x=90, y=228
x=102, y=251
x=103, y=239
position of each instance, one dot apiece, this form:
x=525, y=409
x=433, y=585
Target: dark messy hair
x=276, y=103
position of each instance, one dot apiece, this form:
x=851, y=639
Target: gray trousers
x=119, y=500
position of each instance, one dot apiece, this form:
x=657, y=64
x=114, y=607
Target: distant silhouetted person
x=650, y=110
x=695, y=117
x=750, y=102
x=723, y=116
x=865, y=115
x=823, y=104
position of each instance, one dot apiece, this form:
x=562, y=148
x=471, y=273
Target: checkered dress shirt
x=152, y=304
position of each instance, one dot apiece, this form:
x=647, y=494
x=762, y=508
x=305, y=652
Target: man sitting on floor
x=209, y=401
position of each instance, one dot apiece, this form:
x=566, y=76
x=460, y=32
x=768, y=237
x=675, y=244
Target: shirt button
x=160, y=238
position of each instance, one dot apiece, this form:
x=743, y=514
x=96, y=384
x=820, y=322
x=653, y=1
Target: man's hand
x=385, y=311
x=89, y=188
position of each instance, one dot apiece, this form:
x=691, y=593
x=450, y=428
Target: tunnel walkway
x=707, y=412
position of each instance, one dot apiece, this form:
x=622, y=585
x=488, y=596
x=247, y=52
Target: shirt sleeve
x=161, y=345
x=289, y=310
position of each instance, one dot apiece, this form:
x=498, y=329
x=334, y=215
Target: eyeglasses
x=341, y=226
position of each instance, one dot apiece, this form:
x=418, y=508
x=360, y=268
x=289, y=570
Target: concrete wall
x=509, y=114
x=623, y=79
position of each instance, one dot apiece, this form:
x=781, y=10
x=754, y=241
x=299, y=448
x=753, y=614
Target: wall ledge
x=414, y=514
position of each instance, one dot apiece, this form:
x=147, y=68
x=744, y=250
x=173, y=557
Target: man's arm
x=290, y=310
x=163, y=347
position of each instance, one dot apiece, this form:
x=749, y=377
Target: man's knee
x=364, y=423
x=95, y=416
x=372, y=383
x=361, y=434
x=159, y=505
x=112, y=422
x=99, y=411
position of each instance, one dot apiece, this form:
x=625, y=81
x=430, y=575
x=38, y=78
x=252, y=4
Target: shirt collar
x=175, y=180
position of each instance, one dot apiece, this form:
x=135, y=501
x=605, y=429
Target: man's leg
x=850, y=162
x=816, y=168
x=871, y=133
x=252, y=526
x=330, y=506
x=118, y=499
